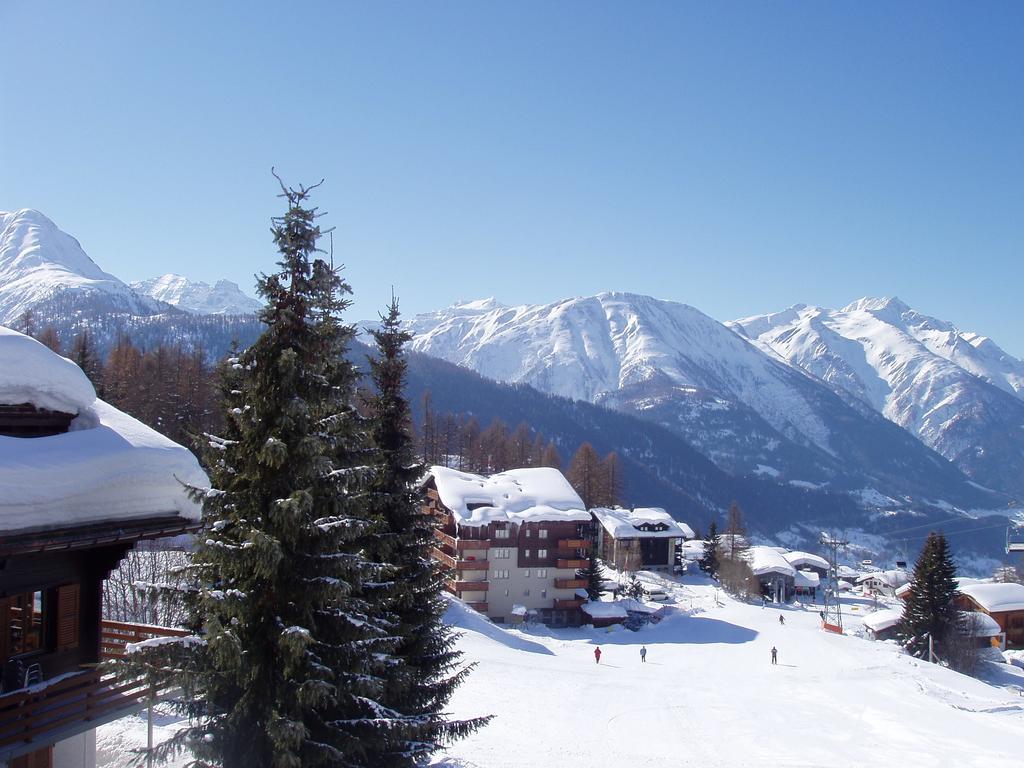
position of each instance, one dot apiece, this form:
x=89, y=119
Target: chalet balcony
x=461, y=545
x=36, y=716
x=443, y=557
x=468, y=564
x=568, y=603
x=573, y=563
x=570, y=583
x=573, y=544
x=458, y=587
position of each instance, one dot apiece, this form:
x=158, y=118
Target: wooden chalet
x=640, y=538
x=72, y=503
x=1004, y=602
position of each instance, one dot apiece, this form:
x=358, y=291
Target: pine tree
x=86, y=357
x=288, y=664
x=930, y=608
x=429, y=669
x=709, y=562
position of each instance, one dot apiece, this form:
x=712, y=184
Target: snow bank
x=520, y=495
x=625, y=523
x=31, y=373
x=118, y=469
x=604, y=610
x=995, y=598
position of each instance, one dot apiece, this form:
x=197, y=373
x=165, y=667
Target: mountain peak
x=197, y=297
x=877, y=304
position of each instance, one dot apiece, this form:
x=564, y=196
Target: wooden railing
x=29, y=715
x=573, y=544
x=443, y=557
x=461, y=545
x=115, y=635
x=467, y=586
x=570, y=583
x=573, y=563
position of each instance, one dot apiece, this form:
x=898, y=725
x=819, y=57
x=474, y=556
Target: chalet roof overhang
x=23, y=542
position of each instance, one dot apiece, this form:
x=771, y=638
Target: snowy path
x=709, y=696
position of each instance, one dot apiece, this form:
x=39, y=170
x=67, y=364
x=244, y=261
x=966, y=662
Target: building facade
x=643, y=538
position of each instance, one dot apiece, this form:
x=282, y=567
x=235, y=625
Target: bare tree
x=126, y=596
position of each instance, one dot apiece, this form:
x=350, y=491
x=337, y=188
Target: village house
x=517, y=539
x=80, y=484
x=774, y=572
x=805, y=561
x=883, y=582
x=644, y=538
x=1004, y=602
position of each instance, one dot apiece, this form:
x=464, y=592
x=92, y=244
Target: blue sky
x=737, y=157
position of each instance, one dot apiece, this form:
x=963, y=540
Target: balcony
x=466, y=586
x=480, y=607
x=573, y=544
x=461, y=545
x=443, y=557
x=568, y=603
x=35, y=717
x=574, y=563
x=570, y=583
x=472, y=565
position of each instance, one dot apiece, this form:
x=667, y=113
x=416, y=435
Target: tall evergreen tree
x=429, y=670
x=709, y=561
x=930, y=608
x=292, y=645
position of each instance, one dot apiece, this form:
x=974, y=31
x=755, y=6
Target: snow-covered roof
x=108, y=467
x=981, y=624
x=623, y=523
x=905, y=589
x=604, y=610
x=806, y=579
x=535, y=494
x=894, y=578
x=31, y=373
x=846, y=572
x=883, y=619
x=693, y=549
x=996, y=598
x=768, y=560
x=801, y=559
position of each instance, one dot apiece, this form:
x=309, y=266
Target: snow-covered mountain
x=45, y=269
x=747, y=409
x=223, y=298
x=957, y=391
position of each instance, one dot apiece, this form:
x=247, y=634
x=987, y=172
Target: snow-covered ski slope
x=708, y=696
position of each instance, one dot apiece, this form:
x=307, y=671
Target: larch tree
x=930, y=608
x=293, y=642
x=428, y=667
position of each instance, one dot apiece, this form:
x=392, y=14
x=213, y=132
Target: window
x=543, y=533
x=543, y=593
x=542, y=553
x=500, y=573
x=526, y=593
x=526, y=554
x=501, y=533
x=526, y=573
x=501, y=553
x=542, y=573
x=23, y=622
x=506, y=593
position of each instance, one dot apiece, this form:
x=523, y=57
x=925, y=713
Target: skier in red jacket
x=597, y=655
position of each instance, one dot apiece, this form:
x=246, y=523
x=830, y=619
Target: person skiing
x=782, y=619
x=775, y=655
x=643, y=653
x=597, y=655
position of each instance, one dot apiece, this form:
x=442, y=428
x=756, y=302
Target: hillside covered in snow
x=957, y=391
x=222, y=298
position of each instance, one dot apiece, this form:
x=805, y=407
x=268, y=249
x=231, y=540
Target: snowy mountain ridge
x=196, y=297
x=957, y=391
x=743, y=405
x=42, y=266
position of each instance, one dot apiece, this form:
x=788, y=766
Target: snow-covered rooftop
x=803, y=559
x=108, y=467
x=996, y=598
x=598, y=610
x=535, y=494
x=624, y=523
x=981, y=624
x=806, y=579
x=768, y=560
x=883, y=619
x=894, y=578
x=31, y=373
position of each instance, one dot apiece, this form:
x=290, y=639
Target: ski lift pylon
x=1014, y=539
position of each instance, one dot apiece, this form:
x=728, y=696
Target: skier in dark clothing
x=643, y=653
x=775, y=655
x=782, y=619
x=597, y=655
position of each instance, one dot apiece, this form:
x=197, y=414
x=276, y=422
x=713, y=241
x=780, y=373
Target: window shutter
x=67, y=617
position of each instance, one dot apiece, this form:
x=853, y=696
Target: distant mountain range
x=874, y=418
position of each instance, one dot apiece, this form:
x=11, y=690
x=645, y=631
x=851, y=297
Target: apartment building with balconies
x=516, y=539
